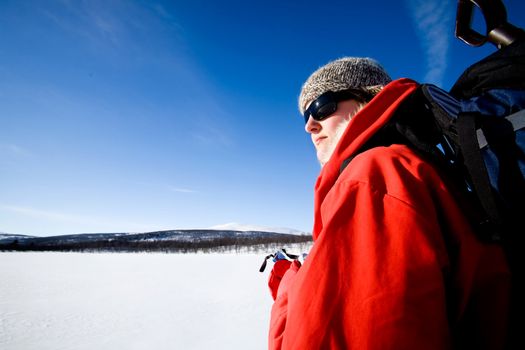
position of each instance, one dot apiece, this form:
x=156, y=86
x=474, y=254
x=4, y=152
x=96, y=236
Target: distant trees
x=229, y=243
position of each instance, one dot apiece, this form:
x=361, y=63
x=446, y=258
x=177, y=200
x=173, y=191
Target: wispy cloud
x=213, y=136
x=122, y=27
x=43, y=214
x=56, y=217
x=161, y=11
x=163, y=187
x=88, y=20
x=433, y=20
x=180, y=190
x=14, y=150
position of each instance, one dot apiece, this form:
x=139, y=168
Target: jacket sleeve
x=373, y=279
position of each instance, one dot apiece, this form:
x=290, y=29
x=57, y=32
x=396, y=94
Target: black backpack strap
x=345, y=164
x=473, y=160
x=517, y=120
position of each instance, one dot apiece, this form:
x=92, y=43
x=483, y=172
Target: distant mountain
x=233, y=226
x=8, y=236
x=170, y=240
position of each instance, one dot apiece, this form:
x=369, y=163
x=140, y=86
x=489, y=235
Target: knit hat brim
x=360, y=73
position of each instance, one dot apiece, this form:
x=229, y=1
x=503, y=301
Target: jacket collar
x=360, y=129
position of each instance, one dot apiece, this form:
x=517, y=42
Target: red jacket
x=379, y=275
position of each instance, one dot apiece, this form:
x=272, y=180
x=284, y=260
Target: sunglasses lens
x=326, y=104
x=324, y=111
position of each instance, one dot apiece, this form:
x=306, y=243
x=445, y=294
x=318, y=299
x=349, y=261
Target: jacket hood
x=360, y=129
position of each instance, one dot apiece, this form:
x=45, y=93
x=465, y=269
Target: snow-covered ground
x=133, y=301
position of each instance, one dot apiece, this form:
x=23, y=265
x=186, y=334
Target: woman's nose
x=312, y=126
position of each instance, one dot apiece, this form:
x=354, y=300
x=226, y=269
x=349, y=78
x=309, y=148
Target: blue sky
x=121, y=116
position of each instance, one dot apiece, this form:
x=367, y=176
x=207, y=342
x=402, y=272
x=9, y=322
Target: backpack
x=475, y=134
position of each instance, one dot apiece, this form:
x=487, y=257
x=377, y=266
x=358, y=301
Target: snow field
x=133, y=301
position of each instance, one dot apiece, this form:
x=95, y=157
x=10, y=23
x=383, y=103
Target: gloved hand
x=281, y=278
x=283, y=264
x=276, y=275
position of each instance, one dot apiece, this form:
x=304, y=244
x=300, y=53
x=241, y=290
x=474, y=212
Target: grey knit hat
x=359, y=73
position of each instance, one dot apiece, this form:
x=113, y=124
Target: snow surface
x=133, y=301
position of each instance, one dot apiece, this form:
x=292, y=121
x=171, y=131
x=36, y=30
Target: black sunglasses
x=326, y=104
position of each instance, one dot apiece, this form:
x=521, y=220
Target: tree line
x=217, y=244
